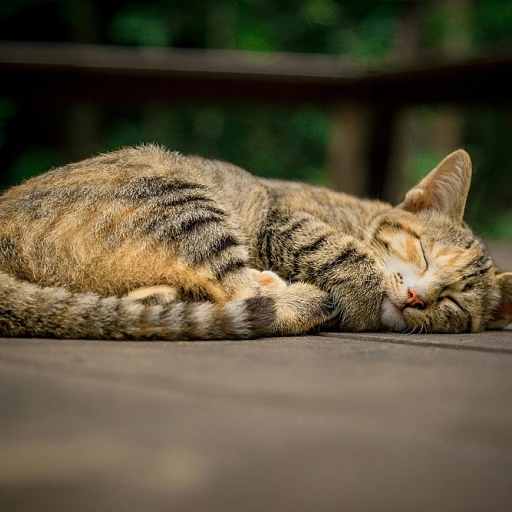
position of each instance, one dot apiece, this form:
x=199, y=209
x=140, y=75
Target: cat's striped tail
x=28, y=310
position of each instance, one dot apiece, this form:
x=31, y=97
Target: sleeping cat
x=142, y=243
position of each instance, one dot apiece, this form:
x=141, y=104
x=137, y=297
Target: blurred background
x=303, y=140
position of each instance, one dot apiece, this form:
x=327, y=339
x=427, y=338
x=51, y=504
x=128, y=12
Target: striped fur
x=143, y=243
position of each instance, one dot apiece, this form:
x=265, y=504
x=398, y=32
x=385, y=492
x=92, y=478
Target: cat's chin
x=392, y=316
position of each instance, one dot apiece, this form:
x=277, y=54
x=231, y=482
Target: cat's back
x=344, y=212
x=107, y=175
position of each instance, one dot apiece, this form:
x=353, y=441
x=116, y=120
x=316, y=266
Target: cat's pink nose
x=413, y=299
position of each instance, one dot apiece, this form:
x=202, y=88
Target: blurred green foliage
x=280, y=141
x=271, y=140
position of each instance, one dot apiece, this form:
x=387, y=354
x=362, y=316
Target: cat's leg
x=300, y=247
x=265, y=282
x=299, y=306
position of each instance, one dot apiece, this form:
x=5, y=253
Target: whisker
x=386, y=258
x=367, y=235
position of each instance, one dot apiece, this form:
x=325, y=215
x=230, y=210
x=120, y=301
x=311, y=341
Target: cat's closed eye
x=450, y=299
x=424, y=257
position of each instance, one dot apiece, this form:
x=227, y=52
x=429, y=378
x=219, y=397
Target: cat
x=143, y=243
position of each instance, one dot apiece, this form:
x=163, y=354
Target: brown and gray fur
x=143, y=243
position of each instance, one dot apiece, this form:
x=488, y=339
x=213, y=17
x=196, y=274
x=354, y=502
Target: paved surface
x=369, y=422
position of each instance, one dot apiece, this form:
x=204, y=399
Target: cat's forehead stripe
x=395, y=226
x=412, y=250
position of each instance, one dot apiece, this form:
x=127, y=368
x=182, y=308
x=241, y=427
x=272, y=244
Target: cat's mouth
x=392, y=316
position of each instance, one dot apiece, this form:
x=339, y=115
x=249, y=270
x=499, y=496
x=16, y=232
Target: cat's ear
x=503, y=314
x=445, y=189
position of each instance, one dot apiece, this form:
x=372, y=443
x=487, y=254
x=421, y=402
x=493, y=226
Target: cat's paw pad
x=268, y=279
x=153, y=295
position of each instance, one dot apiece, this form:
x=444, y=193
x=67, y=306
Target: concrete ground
x=365, y=422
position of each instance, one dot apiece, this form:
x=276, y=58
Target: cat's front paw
x=358, y=303
x=299, y=308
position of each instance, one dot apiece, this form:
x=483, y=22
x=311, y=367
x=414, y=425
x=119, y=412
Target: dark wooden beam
x=125, y=75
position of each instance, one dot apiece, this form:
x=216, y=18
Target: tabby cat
x=143, y=244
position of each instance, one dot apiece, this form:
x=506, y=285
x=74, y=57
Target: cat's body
x=146, y=244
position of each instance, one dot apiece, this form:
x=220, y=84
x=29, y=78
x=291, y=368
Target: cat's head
x=438, y=274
